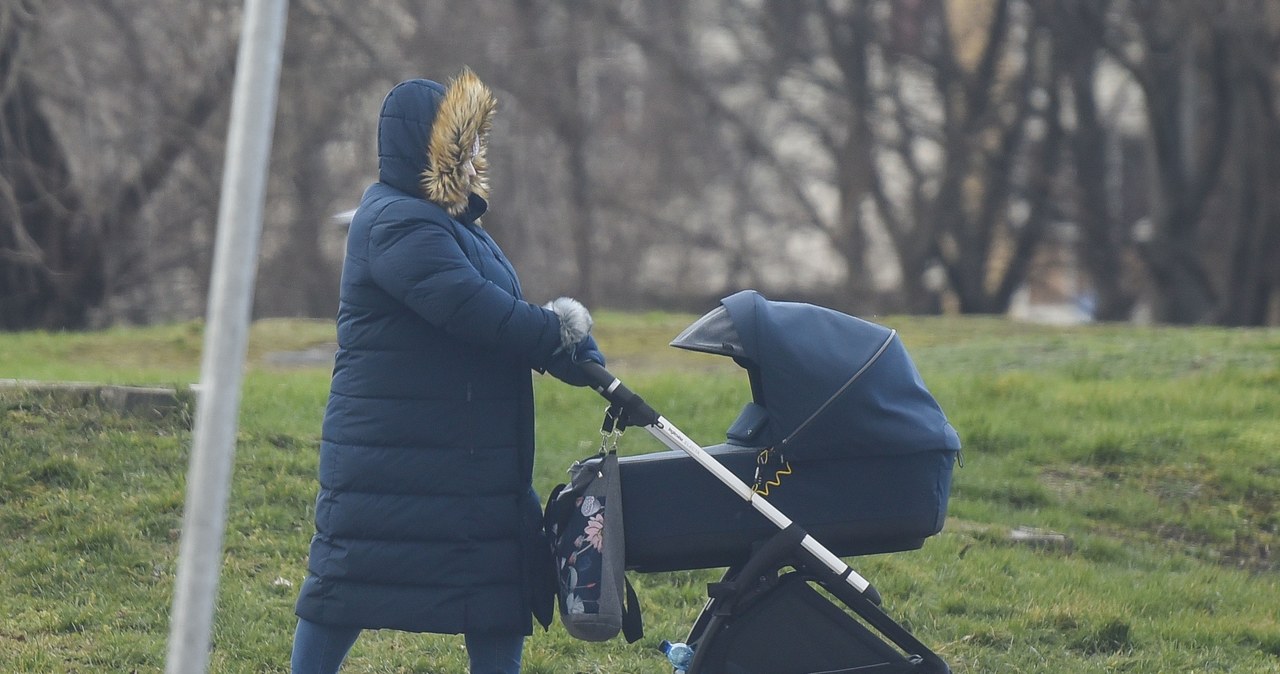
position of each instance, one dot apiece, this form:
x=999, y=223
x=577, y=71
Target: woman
x=426, y=519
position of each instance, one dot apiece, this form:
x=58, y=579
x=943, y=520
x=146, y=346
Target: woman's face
x=468, y=167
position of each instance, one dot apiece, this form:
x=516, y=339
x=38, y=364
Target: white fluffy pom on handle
x=575, y=321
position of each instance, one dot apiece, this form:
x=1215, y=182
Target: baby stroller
x=842, y=435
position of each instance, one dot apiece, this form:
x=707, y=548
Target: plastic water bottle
x=678, y=654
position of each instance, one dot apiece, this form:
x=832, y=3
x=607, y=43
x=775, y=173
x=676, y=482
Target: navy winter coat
x=426, y=519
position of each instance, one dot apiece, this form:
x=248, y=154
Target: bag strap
x=612, y=420
x=632, y=622
x=554, y=513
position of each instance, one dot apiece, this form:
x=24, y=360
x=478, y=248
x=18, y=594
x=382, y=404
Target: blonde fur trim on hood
x=465, y=116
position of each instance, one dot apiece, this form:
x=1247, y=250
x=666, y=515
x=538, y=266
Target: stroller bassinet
x=841, y=435
x=843, y=408
x=680, y=517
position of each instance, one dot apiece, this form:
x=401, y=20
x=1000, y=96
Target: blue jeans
x=320, y=649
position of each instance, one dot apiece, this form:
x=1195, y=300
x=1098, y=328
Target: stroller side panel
x=680, y=517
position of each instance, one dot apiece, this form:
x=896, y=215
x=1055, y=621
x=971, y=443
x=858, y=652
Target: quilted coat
x=426, y=520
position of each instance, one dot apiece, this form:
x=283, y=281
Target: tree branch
x=753, y=143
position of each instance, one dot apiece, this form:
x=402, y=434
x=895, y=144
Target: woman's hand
x=565, y=364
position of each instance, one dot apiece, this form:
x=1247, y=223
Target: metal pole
x=204, y=518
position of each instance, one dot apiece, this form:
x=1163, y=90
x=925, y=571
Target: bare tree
x=1201, y=231
x=53, y=272
x=1105, y=244
x=324, y=154
x=736, y=153
x=1183, y=65
x=984, y=213
x=551, y=79
x=906, y=155
x=1251, y=278
x=828, y=94
x=87, y=160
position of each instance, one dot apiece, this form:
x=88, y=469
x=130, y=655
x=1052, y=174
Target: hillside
x=1154, y=451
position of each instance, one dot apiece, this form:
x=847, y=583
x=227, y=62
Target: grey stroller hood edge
x=824, y=383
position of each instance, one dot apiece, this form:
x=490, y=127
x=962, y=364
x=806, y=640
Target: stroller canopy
x=823, y=383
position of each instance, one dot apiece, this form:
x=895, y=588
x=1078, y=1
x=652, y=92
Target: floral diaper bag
x=584, y=523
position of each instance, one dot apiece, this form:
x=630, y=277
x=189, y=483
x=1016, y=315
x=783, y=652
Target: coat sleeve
x=419, y=263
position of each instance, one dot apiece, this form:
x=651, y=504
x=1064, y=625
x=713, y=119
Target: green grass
x=1155, y=450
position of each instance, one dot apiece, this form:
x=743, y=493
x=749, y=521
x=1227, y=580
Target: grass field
x=1156, y=451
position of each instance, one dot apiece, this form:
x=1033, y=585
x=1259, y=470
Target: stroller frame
x=790, y=547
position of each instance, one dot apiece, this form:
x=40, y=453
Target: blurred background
x=1054, y=160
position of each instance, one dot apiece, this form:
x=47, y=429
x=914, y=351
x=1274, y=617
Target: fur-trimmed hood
x=426, y=134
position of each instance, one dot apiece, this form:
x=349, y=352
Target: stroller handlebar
x=636, y=412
